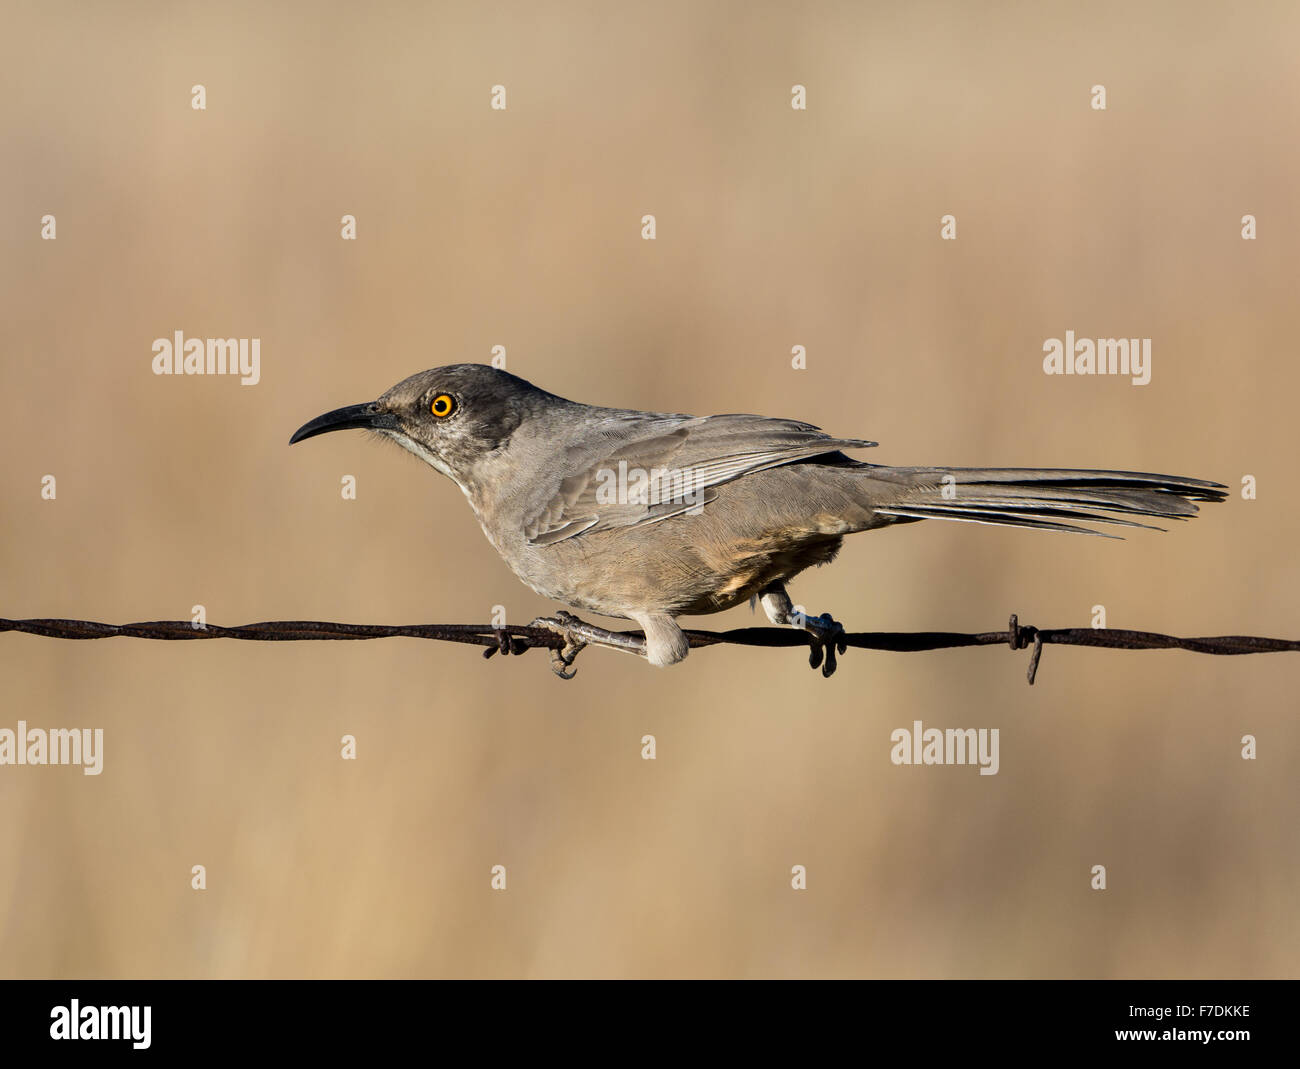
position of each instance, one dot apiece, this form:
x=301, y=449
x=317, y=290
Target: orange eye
x=443, y=405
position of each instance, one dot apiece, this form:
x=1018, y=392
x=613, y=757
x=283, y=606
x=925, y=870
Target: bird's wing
x=638, y=468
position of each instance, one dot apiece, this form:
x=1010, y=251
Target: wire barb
x=508, y=640
x=1020, y=637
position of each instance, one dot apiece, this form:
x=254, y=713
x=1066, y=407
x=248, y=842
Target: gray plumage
x=648, y=516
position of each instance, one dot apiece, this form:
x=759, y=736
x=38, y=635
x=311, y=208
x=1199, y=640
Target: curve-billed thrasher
x=650, y=516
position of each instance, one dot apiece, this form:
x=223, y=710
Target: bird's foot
x=563, y=624
x=825, y=636
x=577, y=635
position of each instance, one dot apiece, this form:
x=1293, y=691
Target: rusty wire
x=518, y=639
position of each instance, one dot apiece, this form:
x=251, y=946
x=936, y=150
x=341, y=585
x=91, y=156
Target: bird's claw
x=825, y=637
x=562, y=623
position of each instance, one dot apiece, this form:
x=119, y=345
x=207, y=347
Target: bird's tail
x=1043, y=498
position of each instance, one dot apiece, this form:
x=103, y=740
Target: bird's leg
x=825, y=634
x=577, y=635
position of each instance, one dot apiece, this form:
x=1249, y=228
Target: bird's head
x=450, y=417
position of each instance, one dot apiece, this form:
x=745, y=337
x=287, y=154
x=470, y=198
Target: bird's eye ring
x=443, y=405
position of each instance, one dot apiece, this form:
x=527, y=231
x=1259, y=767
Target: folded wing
x=638, y=468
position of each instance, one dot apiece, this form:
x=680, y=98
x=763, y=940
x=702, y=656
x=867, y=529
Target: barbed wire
x=565, y=642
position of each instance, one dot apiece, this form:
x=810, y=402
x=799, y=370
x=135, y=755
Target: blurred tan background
x=522, y=228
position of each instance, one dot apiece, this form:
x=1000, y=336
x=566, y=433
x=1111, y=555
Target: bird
x=651, y=516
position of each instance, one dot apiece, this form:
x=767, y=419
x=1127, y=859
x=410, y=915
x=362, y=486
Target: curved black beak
x=367, y=417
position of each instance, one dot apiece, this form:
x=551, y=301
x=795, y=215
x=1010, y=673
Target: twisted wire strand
x=514, y=639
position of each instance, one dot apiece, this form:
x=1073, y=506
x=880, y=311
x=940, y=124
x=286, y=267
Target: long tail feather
x=1039, y=497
